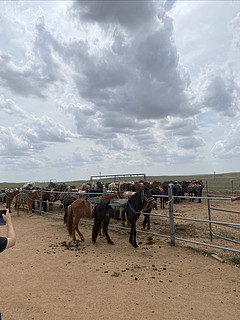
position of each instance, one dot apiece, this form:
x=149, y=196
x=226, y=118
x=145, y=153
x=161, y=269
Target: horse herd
x=116, y=204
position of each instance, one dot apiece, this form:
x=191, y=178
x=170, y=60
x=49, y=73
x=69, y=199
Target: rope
x=148, y=200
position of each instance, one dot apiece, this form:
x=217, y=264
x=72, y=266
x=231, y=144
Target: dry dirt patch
x=46, y=277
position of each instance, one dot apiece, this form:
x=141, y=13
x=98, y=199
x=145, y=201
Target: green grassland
x=220, y=183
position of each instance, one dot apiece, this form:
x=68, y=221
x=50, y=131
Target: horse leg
x=65, y=216
x=73, y=233
x=163, y=202
x=123, y=215
x=95, y=230
x=105, y=229
x=17, y=208
x=145, y=221
x=33, y=206
x=75, y=228
x=148, y=222
x=132, y=238
x=200, y=195
x=80, y=234
x=8, y=206
x=30, y=205
x=44, y=203
x=101, y=232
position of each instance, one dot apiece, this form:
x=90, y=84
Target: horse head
x=148, y=198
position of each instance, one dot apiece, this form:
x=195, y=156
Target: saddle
x=24, y=195
x=94, y=200
x=116, y=203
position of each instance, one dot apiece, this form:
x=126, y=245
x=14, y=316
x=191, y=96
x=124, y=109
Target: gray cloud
x=24, y=81
x=129, y=14
x=140, y=81
x=109, y=85
x=219, y=91
x=180, y=127
x=191, y=142
x=10, y=107
x=31, y=135
x=229, y=146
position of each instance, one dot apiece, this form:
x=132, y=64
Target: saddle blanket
x=2, y=195
x=117, y=202
x=94, y=200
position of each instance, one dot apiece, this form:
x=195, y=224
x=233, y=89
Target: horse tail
x=92, y=209
x=69, y=219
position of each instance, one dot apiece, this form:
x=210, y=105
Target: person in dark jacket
x=10, y=240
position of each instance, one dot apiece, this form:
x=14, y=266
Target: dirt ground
x=46, y=277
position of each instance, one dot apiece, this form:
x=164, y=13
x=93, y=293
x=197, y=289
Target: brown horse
x=9, y=198
x=27, y=198
x=83, y=208
x=78, y=209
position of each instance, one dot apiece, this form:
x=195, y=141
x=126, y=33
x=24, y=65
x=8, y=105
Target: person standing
x=10, y=240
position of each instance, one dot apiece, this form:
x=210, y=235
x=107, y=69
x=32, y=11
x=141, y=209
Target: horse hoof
x=135, y=245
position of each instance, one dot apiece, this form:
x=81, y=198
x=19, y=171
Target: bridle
x=143, y=198
x=32, y=199
x=10, y=197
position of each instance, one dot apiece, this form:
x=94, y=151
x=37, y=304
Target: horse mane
x=135, y=196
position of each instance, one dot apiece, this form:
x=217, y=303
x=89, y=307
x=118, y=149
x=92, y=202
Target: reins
x=143, y=197
x=32, y=199
x=9, y=197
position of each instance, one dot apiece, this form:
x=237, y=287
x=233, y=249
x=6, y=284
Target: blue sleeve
x=3, y=243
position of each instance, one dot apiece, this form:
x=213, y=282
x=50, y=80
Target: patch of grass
x=204, y=252
x=235, y=260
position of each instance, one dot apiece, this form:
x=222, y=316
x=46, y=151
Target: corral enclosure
x=191, y=221
x=222, y=183
x=85, y=281
x=61, y=280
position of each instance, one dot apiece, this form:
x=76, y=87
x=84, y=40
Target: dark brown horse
x=24, y=198
x=132, y=208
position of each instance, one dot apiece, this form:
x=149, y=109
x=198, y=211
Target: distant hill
x=209, y=177
x=230, y=175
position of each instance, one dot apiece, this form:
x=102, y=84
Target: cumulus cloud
x=30, y=135
x=229, y=146
x=180, y=127
x=129, y=15
x=219, y=90
x=129, y=81
x=22, y=80
x=124, y=90
x=191, y=142
x=10, y=107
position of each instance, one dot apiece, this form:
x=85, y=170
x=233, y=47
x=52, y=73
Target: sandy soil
x=46, y=277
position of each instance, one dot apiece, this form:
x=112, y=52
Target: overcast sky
x=116, y=87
